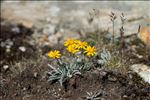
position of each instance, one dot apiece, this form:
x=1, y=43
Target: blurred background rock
x=64, y=17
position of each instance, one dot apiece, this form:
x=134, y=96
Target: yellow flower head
x=82, y=45
x=54, y=54
x=72, y=48
x=90, y=51
x=69, y=42
x=77, y=41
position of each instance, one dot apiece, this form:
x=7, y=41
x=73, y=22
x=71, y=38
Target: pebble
x=5, y=67
x=16, y=29
x=59, y=89
x=35, y=75
x=22, y=48
x=27, y=23
x=24, y=89
x=125, y=96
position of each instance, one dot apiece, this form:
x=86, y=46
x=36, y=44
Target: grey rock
x=142, y=70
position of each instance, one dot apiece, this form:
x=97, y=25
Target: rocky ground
x=30, y=29
x=76, y=15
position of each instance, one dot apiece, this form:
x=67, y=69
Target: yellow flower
x=54, y=54
x=69, y=42
x=77, y=41
x=90, y=51
x=72, y=48
x=82, y=45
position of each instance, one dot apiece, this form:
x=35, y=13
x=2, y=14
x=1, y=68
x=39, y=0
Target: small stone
x=27, y=23
x=125, y=96
x=16, y=29
x=59, y=89
x=5, y=67
x=113, y=79
x=102, y=73
x=22, y=48
x=137, y=55
x=35, y=75
x=24, y=88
